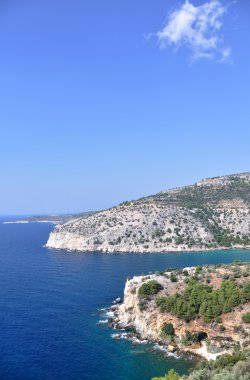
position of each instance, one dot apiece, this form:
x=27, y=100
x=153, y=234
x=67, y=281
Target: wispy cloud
x=199, y=28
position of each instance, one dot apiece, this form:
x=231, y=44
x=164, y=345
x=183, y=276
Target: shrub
x=179, y=240
x=226, y=367
x=198, y=269
x=246, y=318
x=190, y=339
x=171, y=375
x=150, y=288
x=142, y=306
x=228, y=360
x=173, y=277
x=159, y=233
x=168, y=329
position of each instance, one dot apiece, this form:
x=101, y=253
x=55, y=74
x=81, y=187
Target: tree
x=171, y=375
x=150, y=288
x=168, y=329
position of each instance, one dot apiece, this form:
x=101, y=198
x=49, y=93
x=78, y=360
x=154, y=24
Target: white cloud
x=199, y=29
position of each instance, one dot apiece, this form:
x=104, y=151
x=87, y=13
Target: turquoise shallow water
x=49, y=309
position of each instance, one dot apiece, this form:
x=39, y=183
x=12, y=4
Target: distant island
x=211, y=214
x=54, y=219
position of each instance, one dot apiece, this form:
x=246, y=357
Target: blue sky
x=106, y=101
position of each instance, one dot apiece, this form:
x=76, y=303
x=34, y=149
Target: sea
x=53, y=309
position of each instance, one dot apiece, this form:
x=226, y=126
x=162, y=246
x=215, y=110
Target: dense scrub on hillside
x=199, y=195
x=201, y=300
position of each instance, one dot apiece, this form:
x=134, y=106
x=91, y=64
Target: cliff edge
x=202, y=310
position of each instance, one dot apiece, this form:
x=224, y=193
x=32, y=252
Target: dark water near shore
x=49, y=303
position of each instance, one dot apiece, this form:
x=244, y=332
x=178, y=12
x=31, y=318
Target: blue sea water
x=49, y=309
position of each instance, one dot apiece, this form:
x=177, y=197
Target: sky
x=107, y=101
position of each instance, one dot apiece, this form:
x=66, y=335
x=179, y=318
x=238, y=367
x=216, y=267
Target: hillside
x=202, y=310
x=211, y=214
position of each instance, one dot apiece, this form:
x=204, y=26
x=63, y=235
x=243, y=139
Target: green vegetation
x=126, y=203
x=171, y=375
x=158, y=233
x=222, y=328
x=191, y=339
x=198, y=269
x=201, y=300
x=173, y=277
x=142, y=306
x=168, y=329
x=198, y=196
x=246, y=318
x=226, y=367
x=150, y=288
x=203, y=200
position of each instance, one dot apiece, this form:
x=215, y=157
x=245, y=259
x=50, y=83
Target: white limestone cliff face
x=183, y=219
x=147, y=320
x=147, y=323
x=133, y=228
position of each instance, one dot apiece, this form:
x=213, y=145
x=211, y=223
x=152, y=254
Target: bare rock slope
x=211, y=214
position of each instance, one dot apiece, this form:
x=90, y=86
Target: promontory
x=200, y=310
x=211, y=214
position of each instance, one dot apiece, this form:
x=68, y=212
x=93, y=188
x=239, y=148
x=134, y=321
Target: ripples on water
x=49, y=309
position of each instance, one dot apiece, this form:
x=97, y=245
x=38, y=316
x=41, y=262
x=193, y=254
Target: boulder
x=171, y=348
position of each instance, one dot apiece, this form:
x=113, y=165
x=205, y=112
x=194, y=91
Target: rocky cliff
x=211, y=214
x=205, y=311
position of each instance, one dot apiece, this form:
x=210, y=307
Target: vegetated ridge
x=212, y=214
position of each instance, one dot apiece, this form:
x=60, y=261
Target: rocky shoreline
x=161, y=345
x=134, y=337
x=143, y=321
x=142, y=251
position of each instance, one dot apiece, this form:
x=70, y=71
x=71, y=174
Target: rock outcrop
x=209, y=339
x=213, y=213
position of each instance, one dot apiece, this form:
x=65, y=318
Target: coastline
x=211, y=338
x=130, y=335
x=121, y=251
x=126, y=333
